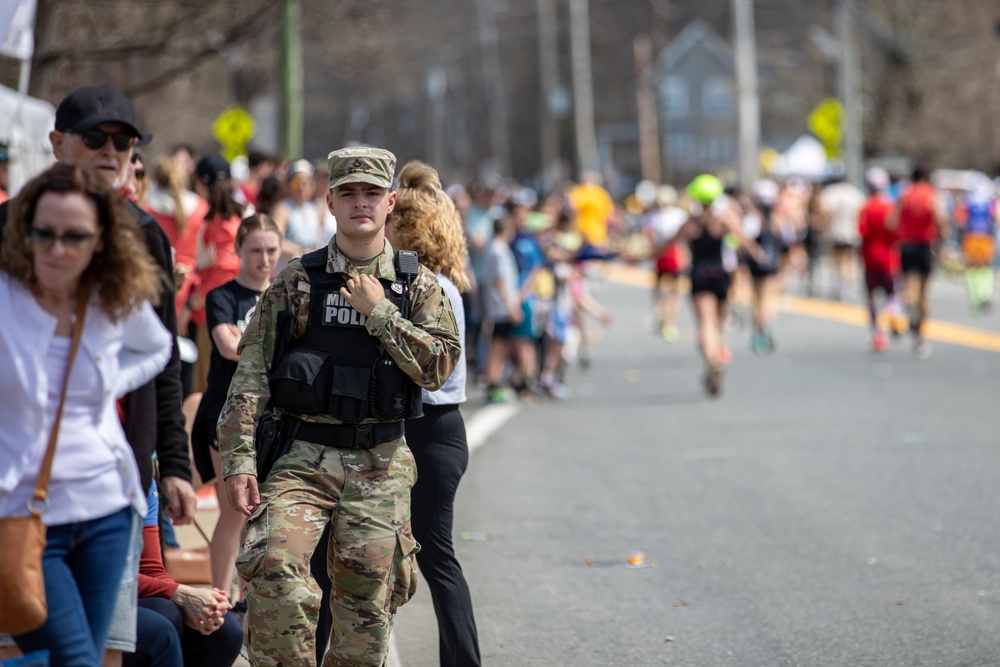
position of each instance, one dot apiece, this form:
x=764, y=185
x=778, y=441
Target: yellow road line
x=628, y=275
x=936, y=330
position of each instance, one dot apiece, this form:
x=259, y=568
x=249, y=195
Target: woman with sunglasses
x=138, y=184
x=73, y=257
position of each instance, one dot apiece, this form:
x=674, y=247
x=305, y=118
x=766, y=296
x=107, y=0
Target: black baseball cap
x=211, y=167
x=87, y=107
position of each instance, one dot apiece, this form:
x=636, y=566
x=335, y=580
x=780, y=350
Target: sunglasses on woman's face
x=72, y=242
x=95, y=139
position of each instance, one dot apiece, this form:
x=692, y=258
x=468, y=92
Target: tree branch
x=234, y=35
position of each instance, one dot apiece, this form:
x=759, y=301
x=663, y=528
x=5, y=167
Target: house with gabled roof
x=696, y=88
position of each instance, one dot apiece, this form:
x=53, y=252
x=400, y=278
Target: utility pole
x=583, y=86
x=292, y=81
x=645, y=102
x=548, y=70
x=493, y=80
x=660, y=34
x=746, y=86
x=37, y=76
x=850, y=76
x=437, y=88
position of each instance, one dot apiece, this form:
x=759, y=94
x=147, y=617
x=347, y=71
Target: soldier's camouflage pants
x=366, y=496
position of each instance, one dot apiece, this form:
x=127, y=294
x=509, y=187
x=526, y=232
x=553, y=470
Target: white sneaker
x=922, y=349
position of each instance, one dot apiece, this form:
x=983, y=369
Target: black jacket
x=154, y=419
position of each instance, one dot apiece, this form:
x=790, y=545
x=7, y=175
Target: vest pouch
x=391, y=389
x=296, y=381
x=349, y=394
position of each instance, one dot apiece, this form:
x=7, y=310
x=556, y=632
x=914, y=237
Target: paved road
x=832, y=507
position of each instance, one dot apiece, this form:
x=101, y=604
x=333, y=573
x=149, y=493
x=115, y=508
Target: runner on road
x=659, y=224
x=920, y=222
x=878, y=250
x=761, y=226
x=978, y=222
x=712, y=220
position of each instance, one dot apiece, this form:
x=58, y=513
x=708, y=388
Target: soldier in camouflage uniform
x=348, y=463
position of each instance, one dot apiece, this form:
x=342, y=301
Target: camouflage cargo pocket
x=403, y=577
x=250, y=559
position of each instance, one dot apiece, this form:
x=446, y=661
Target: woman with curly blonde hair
x=74, y=264
x=425, y=220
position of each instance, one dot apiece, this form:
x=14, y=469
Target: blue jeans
x=82, y=565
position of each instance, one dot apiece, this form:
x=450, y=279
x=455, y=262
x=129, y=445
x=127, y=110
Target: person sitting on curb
x=179, y=624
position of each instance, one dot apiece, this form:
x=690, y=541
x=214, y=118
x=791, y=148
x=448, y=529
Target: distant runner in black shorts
x=713, y=218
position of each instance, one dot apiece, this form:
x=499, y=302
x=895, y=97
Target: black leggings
x=441, y=452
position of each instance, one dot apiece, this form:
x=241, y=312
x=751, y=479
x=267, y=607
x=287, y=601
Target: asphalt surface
x=833, y=507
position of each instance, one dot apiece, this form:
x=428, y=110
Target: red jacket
x=154, y=581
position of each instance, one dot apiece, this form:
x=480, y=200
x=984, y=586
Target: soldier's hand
x=363, y=292
x=242, y=492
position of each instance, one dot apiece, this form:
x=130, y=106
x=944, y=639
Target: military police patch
x=337, y=312
x=398, y=287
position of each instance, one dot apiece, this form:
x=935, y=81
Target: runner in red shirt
x=878, y=250
x=919, y=221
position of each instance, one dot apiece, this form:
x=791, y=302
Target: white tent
x=26, y=123
x=806, y=157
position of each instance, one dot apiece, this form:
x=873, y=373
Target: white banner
x=17, y=20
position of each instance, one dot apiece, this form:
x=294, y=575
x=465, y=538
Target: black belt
x=343, y=436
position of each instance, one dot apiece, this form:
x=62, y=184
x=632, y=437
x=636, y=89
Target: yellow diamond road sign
x=826, y=122
x=233, y=128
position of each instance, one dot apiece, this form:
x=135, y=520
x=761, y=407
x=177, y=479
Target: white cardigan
x=128, y=354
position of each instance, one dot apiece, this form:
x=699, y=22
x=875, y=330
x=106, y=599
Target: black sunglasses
x=95, y=139
x=72, y=242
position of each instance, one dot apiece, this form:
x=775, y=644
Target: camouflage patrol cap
x=361, y=164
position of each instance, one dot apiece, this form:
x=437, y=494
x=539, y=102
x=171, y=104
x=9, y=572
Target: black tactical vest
x=336, y=367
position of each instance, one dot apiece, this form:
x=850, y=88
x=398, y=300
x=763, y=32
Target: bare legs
x=227, y=537
x=710, y=314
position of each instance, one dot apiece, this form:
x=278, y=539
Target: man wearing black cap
x=95, y=127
